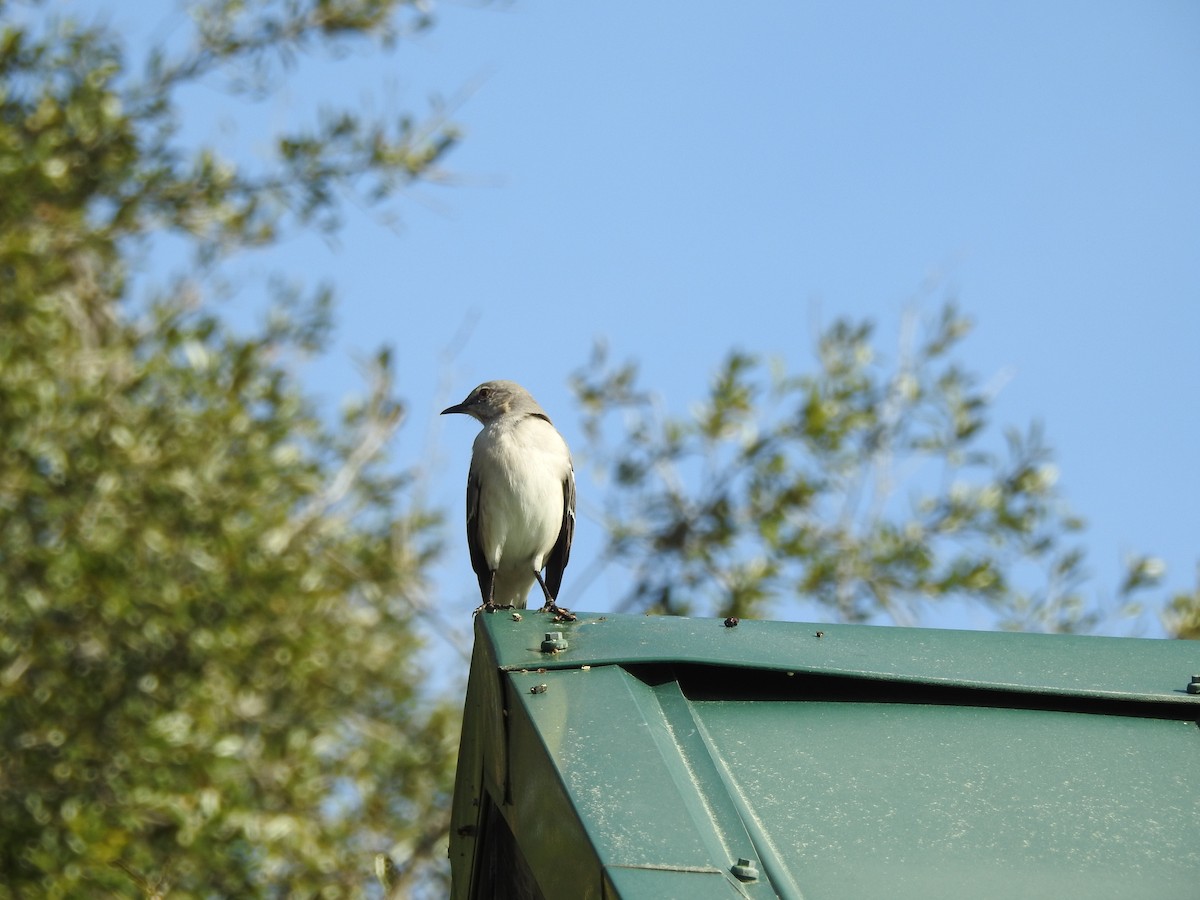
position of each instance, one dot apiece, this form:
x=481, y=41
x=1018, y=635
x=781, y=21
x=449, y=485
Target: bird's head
x=494, y=399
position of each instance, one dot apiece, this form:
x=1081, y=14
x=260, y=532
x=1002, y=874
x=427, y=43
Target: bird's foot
x=560, y=613
x=490, y=607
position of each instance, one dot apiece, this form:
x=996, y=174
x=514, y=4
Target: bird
x=520, y=498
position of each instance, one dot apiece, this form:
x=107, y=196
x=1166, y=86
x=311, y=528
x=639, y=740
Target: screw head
x=1194, y=685
x=554, y=642
x=744, y=870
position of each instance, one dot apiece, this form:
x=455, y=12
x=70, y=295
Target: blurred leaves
x=863, y=487
x=208, y=677
x=1183, y=613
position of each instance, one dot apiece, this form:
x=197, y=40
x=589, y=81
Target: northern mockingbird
x=520, y=498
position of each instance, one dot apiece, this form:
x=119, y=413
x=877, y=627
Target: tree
x=1183, y=613
x=208, y=674
x=789, y=486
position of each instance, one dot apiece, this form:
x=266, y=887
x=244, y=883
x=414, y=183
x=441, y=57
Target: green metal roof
x=670, y=757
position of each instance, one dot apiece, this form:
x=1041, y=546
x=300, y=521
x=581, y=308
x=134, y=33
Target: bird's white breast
x=523, y=464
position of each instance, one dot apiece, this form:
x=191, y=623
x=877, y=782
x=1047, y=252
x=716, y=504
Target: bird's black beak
x=456, y=408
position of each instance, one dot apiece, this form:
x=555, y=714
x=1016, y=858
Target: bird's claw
x=490, y=607
x=561, y=614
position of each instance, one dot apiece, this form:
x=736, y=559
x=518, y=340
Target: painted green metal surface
x=1051, y=664
x=651, y=757
x=960, y=801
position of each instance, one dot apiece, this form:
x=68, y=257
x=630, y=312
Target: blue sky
x=681, y=179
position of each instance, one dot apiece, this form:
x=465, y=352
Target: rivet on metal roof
x=744, y=870
x=553, y=642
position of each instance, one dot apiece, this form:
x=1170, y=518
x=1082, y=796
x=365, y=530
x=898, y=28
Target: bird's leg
x=489, y=596
x=550, y=606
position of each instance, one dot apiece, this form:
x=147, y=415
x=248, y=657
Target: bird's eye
x=484, y=393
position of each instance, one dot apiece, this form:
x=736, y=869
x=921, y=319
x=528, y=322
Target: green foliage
x=208, y=676
x=782, y=485
x=1183, y=613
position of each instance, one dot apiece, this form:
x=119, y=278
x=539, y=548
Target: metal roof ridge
x=1089, y=666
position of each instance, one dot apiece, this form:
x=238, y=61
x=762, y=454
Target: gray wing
x=474, y=541
x=561, y=552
